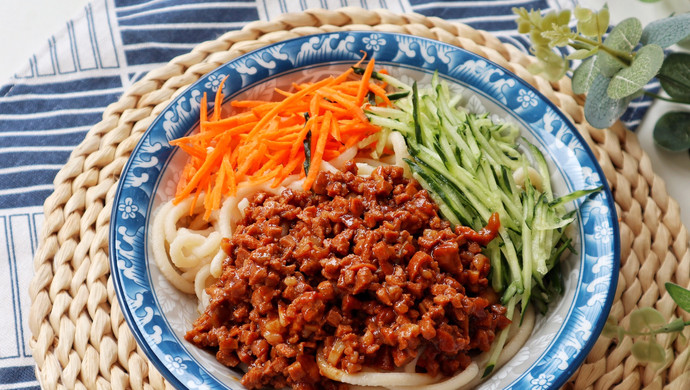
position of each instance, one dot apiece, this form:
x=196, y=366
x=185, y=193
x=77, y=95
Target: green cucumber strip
x=450, y=207
x=543, y=170
x=500, y=341
x=397, y=95
x=392, y=81
x=415, y=114
x=574, y=195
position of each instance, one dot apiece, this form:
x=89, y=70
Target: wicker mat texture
x=79, y=336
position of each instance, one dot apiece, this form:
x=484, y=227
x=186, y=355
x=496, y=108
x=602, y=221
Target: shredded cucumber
x=467, y=162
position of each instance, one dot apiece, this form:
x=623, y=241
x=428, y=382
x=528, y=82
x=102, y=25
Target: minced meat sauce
x=361, y=269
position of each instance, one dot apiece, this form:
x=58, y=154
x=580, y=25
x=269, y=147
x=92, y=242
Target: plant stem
x=671, y=100
x=624, y=57
x=579, y=45
x=653, y=332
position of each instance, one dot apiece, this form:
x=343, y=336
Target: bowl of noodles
x=285, y=223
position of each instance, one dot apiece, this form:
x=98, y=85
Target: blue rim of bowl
x=369, y=40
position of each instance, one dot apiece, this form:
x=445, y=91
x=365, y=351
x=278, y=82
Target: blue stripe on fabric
x=11, y=375
x=35, y=106
x=481, y=6
x=15, y=287
x=27, y=179
x=21, y=158
x=127, y=8
x=208, y=15
x=82, y=84
x=150, y=55
x=502, y=13
x=25, y=198
x=128, y=3
x=59, y=121
x=61, y=139
x=178, y=35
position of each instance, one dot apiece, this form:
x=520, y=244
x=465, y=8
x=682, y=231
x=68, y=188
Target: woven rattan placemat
x=79, y=336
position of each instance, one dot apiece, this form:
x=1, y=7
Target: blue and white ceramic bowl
x=159, y=315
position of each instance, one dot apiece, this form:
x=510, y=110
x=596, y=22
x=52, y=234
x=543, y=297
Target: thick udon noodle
x=187, y=250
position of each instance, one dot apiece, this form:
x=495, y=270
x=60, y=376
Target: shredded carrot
x=318, y=153
x=264, y=141
x=219, y=100
x=364, y=86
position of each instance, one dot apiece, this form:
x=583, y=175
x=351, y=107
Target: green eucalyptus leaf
x=563, y=18
x=623, y=38
x=650, y=1
x=676, y=325
x=645, y=319
x=603, y=18
x=680, y=295
x=600, y=110
x=672, y=132
x=610, y=328
x=684, y=43
x=584, y=75
x=674, y=76
x=592, y=24
x=523, y=26
x=589, y=27
x=582, y=13
x=644, y=67
x=581, y=54
x=538, y=39
x=668, y=31
x=648, y=351
x=551, y=63
x=548, y=21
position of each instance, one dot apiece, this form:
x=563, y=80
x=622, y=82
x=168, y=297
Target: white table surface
x=25, y=27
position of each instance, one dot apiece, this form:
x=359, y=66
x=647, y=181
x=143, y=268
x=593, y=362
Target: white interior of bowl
x=180, y=310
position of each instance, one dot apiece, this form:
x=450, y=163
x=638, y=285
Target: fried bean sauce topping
x=361, y=269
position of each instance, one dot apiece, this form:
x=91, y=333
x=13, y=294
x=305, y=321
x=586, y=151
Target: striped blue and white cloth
x=47, y=108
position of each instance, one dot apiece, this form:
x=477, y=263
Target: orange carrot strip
x=381, y=93
x=364, y=86
x=273, y=162
x=300, y=138
x=234, y=120
x=315, y=164
x=314, y=106
x=266, y=177
x=326, y=105
x=335, y=131
x=289, y=169
x=330, y=154
x=216, y=193
x=191, y=150
x=345, y=101
x=230, y=172
x=278, y=145
x=217, y=108
x=250, y=103
x=203, y=115
x=283, y=92
x=290, y=136
x=211, y=160
x=289, y=100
